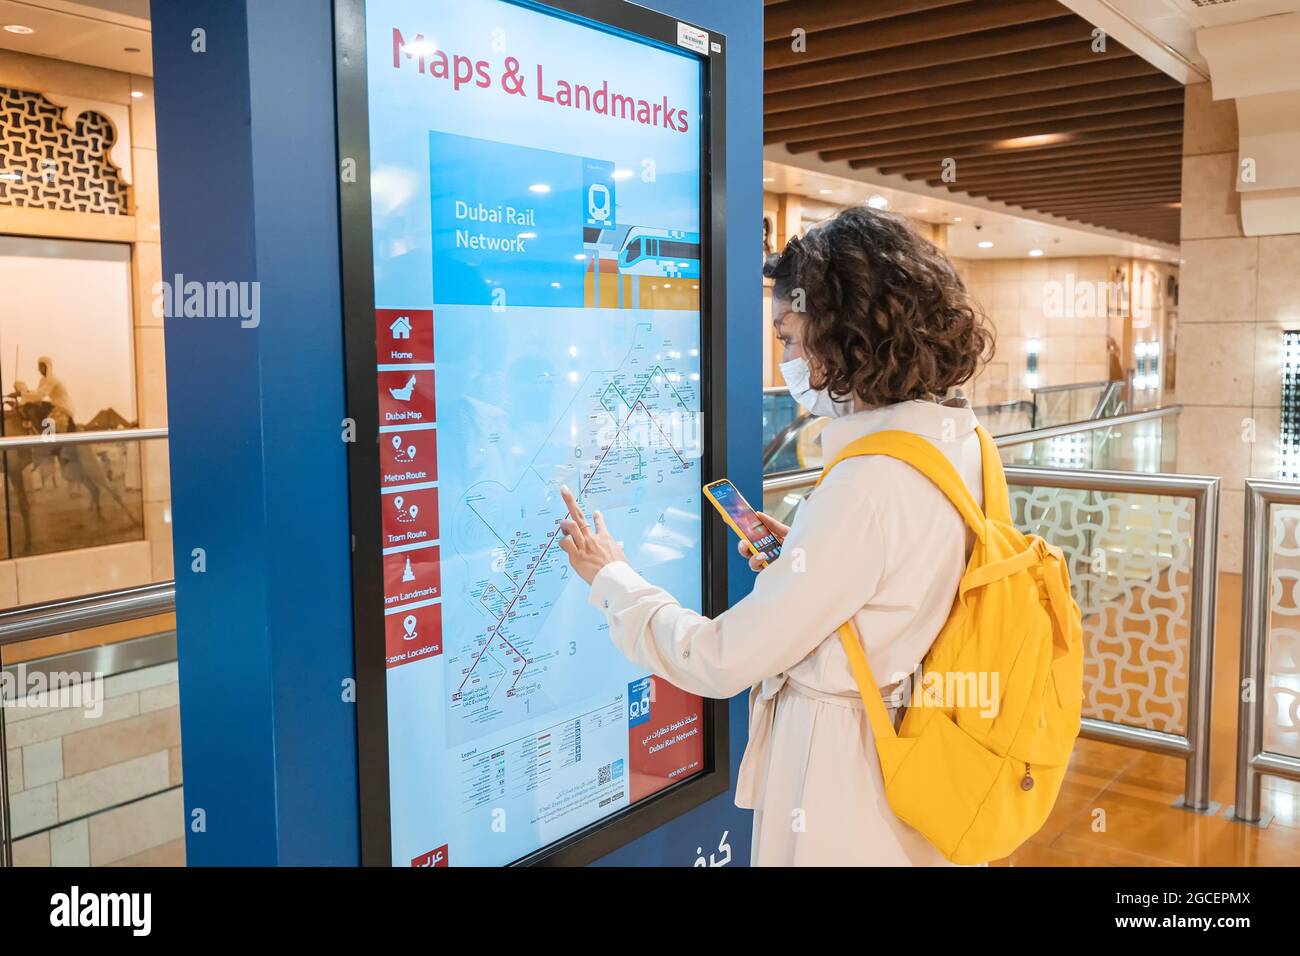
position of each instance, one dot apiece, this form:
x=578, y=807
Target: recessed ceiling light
x=956, y=218
x=878, y=202
x=769, y=179
x=19, y=29
x=825, y=192
x=986, y=244
x=136, y=94
x=1024, y=142
x=1035, y=253
x=922, y=210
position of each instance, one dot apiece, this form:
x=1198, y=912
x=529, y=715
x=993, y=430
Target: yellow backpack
x=978, y=760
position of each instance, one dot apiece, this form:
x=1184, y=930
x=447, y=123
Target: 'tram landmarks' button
x=411, y=576
x=406, y=398
x=404, y=336
x=410, y=516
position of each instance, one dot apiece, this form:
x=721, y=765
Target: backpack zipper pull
x=1027, y=782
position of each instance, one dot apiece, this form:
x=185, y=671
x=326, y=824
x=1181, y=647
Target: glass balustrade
x=81, y=517
x=1063, y=404
x=1146, y=443
x=1281, y=690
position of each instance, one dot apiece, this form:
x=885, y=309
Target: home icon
x=401, y=327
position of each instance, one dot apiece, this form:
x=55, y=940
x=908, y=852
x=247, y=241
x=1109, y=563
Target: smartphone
x=735, y=510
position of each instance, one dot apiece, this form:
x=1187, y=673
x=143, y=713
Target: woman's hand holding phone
x=756, y=561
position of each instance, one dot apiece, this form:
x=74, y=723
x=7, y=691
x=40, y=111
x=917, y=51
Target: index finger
x=572, y=504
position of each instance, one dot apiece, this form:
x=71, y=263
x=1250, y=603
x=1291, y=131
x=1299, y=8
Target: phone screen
x=750, y=524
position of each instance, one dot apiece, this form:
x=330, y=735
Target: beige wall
x=1014, y=295
x=99, y=790
x=1238, y=295
x=48, y=577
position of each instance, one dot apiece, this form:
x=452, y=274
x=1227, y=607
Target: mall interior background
x=1182, y=308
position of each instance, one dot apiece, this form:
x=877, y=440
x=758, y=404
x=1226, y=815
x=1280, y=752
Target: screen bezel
x=356, y=252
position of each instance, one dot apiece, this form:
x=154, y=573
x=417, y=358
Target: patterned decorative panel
x=1130, y=561
x=47, y=165
x=1282, y=663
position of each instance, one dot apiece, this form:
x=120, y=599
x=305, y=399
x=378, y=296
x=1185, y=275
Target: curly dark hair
x=887, y=318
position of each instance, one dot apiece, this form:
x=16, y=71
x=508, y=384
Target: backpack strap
x=877, y=714
x=997, y=504
x=929, y=461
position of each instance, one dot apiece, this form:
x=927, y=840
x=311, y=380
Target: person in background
x=49, y=402
x=1115, y=360
x=876, y=327
x=49, y=389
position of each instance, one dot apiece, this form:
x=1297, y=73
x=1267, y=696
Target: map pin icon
x=397, y=502
x=397, y=441
x=410, y=451
x=415, y=510
x=409, y=623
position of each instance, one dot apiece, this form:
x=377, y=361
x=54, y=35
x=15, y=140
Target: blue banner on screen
x=536, y=189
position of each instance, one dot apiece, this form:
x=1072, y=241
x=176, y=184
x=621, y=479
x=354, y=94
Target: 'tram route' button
x=410, y=516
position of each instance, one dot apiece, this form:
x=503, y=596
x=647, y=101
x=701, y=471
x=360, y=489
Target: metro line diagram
x=626, y=440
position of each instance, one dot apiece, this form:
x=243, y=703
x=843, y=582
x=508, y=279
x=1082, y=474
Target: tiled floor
x=1116, y=805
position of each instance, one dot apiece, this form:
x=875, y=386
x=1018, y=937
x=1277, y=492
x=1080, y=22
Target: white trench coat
x=878, y=542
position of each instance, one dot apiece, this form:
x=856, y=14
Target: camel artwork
x=80, y=467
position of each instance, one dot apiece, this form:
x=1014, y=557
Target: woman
x=875, y=325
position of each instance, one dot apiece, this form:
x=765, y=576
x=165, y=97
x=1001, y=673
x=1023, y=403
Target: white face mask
x=817, y=401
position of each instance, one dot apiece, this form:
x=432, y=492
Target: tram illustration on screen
x=670, y=253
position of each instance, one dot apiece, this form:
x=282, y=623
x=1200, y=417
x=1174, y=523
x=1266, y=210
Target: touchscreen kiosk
x=531, y=225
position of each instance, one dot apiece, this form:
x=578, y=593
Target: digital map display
x=535, y=189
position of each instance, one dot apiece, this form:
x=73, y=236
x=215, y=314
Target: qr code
x=603, y=775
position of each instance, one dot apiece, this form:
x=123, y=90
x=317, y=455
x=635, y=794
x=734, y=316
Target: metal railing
x=1092, y=424
x=59, y=617
x=1099, y=408
x=1193, y=744
x=1012, y=439
x=1258, y=598
x=1013, y=407
x=11, y=442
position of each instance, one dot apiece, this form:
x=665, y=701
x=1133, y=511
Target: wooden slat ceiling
x=900, y=86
